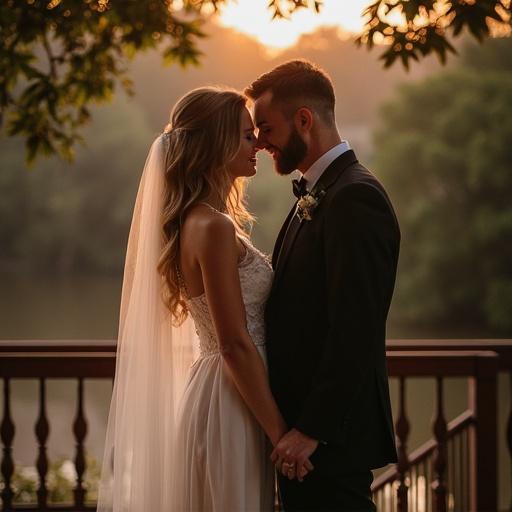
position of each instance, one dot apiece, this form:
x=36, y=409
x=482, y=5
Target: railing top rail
x=57, y=365
x=456, y=363
x=400, y=349
x=450, y=341
x=391, y=344
x=440, y=355
x=84, y=345
x=43, y=361
x=503, y=347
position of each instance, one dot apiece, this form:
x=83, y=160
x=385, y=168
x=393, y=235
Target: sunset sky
x=253, y=18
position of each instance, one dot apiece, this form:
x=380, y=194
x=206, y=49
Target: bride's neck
x=218, y=200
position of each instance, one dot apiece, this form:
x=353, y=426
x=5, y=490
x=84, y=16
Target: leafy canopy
x=425, y=26
x=58, y=57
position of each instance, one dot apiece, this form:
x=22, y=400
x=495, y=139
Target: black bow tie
x=299, y=187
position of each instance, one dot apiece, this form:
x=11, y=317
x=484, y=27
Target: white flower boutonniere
x=307, y=204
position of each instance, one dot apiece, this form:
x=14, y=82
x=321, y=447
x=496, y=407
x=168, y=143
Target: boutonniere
x=308, y=203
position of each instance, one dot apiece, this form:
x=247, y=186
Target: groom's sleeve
x=359, y=245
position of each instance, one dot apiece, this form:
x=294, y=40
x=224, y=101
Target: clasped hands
x=291, y=454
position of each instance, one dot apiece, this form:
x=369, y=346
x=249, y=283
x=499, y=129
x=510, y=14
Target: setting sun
x=253, y=17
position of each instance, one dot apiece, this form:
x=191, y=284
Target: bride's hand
x=292, y=452
x=292, y=471
x=306, y=468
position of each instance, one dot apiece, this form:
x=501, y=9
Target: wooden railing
x=425, y=480
x=455, y=470
x=466, y=445
x=44, y=360
x=419, y=471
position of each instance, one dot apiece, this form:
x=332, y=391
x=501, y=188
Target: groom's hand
x=292, y=452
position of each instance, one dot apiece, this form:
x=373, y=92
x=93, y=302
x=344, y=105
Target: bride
x=183, y=436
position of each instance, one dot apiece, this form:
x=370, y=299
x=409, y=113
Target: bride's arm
x=217, y=254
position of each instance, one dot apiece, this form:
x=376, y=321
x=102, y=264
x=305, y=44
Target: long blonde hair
x=204, y=134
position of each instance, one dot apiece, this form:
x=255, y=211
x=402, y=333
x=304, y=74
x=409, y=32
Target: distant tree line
x=59, y=219
x=443, y=150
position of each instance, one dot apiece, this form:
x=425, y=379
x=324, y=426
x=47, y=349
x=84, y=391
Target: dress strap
x=204, y=203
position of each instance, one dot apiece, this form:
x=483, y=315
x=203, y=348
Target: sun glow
x=254, y=18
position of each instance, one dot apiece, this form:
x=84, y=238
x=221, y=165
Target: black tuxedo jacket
x=326, y=316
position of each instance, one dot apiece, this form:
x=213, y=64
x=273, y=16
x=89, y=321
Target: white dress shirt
x=312, y=175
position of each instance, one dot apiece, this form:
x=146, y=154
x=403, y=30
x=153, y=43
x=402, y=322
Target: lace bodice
x=255, y=280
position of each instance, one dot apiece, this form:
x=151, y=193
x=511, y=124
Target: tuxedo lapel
x=281, y=235
x=291, y=228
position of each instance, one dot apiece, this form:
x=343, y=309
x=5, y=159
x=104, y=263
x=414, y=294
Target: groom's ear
x=303, y=119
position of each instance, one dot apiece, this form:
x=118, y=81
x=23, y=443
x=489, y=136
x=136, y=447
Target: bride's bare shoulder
x=207, y=228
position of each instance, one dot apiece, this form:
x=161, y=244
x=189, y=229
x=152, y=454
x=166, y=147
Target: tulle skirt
x=222, y=453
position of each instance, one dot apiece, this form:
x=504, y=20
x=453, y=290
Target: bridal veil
x=153, y=358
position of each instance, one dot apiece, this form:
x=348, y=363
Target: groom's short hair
x=297, y=81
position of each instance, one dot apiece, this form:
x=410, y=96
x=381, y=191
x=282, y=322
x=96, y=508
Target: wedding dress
x=225, y=453
x=179, y=436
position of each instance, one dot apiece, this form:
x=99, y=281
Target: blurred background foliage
x=440, y=146
x=443, y=150
x=60, y=481
x=60, y=219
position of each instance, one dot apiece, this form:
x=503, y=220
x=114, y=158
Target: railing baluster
x=440, y=430
x=416, y=491
x=460, y=471
x=464, y=469
x=42, y=430
x=428, y=480
x=7, y=433
x=414, y=487
x=451, y=474
x=467, y=486
x=80, y=431
x=483, y=442
x=402, y=432
x=509, y=434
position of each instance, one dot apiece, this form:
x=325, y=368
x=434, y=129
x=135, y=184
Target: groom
x=335, y=262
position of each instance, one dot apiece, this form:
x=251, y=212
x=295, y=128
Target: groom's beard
x=292, y=154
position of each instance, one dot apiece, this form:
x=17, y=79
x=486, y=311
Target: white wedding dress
x=179, y=436
x=222, y=449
